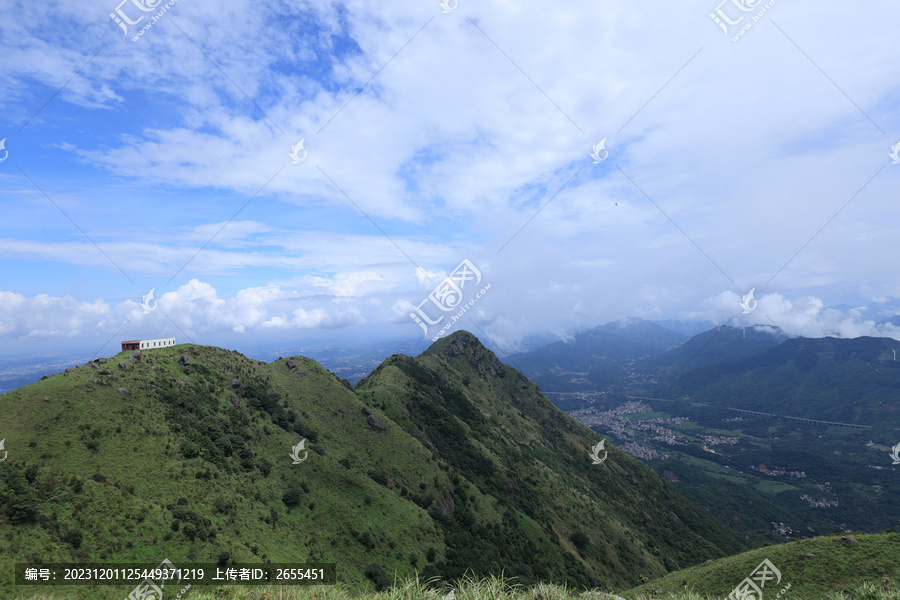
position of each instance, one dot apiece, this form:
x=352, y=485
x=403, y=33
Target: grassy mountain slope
x=835, y=566
x=180, y=470
x=524, y=474
x=439, y=463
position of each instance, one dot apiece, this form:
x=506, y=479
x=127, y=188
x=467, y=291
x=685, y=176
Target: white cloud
x=46, y=316
x=451, y=149
x=195, y=308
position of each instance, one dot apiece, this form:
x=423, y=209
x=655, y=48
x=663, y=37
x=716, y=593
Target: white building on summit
x=148, y=344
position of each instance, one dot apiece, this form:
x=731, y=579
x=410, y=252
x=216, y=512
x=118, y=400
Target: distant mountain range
x=621, y=353
x=844, y=380
x=592, y=358
x=686, y=328
x=753, y=368
x=720, y=345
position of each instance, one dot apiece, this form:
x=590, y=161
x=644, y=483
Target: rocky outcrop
x=374, y=423
x=446, y=504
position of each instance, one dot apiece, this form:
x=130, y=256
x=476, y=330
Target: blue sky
x=435, y=137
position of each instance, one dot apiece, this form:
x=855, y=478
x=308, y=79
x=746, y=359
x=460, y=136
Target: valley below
x=779, y=438
x=807, y=479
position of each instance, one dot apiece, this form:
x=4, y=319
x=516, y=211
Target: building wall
x=157, y=343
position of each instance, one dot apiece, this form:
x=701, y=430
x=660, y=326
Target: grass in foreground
x=493, y=588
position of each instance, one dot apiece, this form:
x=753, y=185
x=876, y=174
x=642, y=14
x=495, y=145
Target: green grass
x=836, y=566
x=491, y=588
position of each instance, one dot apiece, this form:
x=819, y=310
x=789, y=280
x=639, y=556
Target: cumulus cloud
x=46, y=316
x=195, y=308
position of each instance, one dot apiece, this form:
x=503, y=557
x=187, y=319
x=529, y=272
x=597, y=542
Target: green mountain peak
x=442, y=464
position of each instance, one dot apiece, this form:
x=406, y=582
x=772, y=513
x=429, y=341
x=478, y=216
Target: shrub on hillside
x=378, y=575
x=17, y=498
x=224, y=445
x=423, y=501
x=74, y=537
x=189, y=449
x=366, y=540
x=378, y=477
x=579, y=539
x=292, y=497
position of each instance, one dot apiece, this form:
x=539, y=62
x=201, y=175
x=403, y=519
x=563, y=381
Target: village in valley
x=729, y=445
x=621, y=423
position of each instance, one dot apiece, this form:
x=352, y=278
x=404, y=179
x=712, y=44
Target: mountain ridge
x=184, y=450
